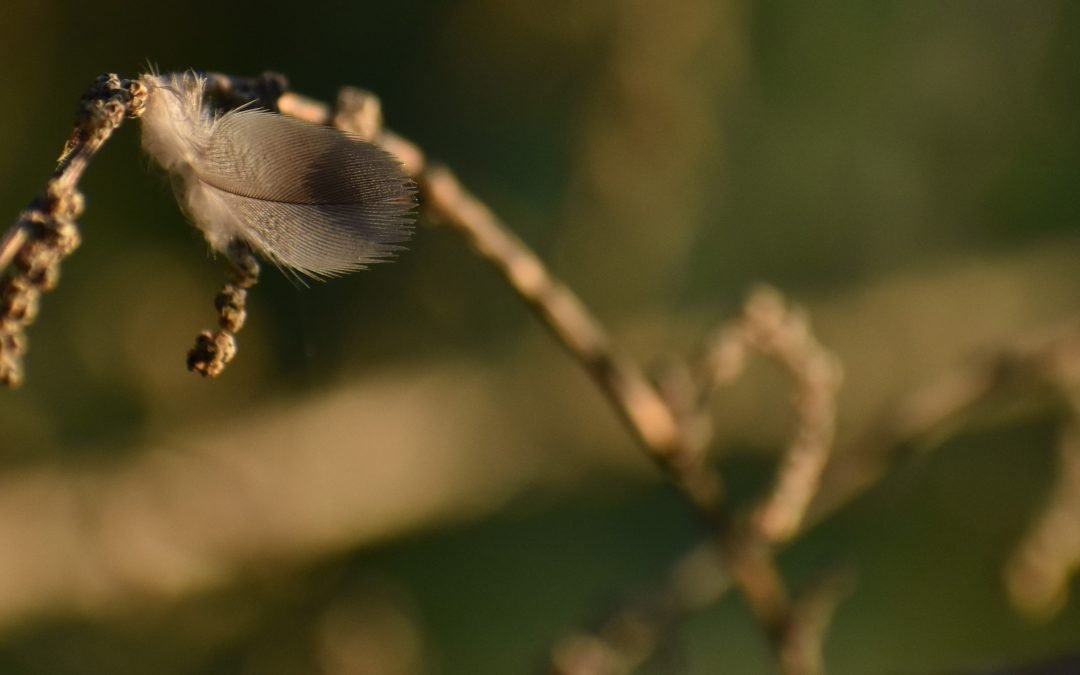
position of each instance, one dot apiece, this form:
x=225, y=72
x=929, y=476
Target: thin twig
x=771, y=328
x=928, y=413
x=46, y=232
x=924, y=415
x=563, y=312
x=811, y=616
x=1038, y=572
x=214, y=349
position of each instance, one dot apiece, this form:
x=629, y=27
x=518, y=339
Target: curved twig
x=46, y=232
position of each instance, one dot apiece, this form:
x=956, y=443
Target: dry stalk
x=214, y=349
x=809, y=621
x=769, y=327
x=46, y=232
x=927, y=415
x=1038, y=573
x=781, y=333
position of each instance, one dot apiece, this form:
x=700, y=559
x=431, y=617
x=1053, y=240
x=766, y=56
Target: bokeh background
x=402, y=472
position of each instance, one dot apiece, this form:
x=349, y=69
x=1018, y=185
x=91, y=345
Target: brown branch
x=640, y=404
x=214, y=349
x=626, y=638
x=926, y=415
x=655, y=423
x=811, y=615
x=625, y=385
x=1038, y=573
x=46, y=232
x=769, y=327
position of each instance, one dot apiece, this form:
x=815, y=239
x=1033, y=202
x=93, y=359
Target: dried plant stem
x=625, y=384
x=214, y=349
x=769, y=327
x=46, y=232
x=811, y=616
x=1038, y=573
x=923, y=416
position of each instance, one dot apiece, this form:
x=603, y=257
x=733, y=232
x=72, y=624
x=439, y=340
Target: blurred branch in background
x=782, y=334
x=1040, y=570
x=1037, y=576
x=769, y=327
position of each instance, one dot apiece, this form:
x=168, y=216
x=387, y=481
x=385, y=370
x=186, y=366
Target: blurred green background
x=401, y=472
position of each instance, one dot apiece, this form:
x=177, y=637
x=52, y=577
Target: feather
x=308, y=197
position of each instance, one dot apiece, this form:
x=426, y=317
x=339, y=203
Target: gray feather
x=308, y=197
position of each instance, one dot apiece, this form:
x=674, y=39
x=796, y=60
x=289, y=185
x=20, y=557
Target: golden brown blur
x=842, y=241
